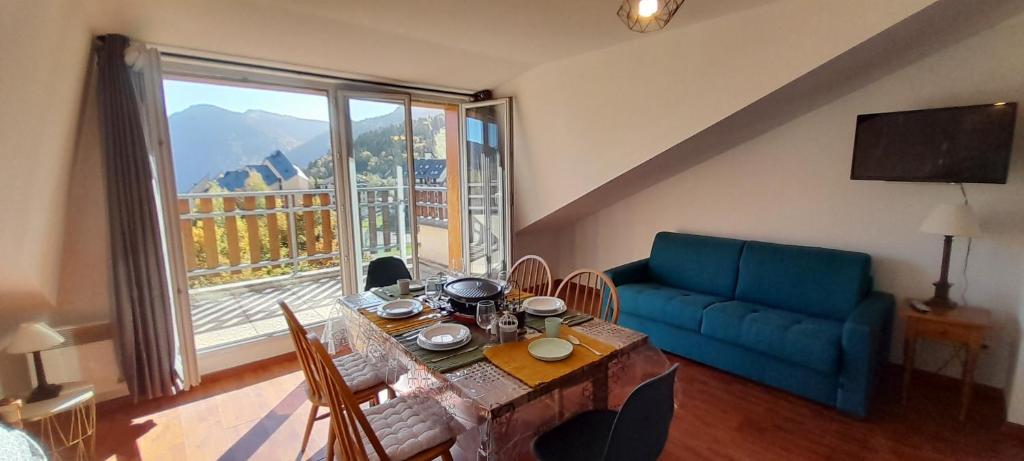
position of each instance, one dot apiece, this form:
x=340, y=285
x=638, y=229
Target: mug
x=552, y=325
x=403, y=286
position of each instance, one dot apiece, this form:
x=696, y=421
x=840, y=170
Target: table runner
x=515, y=359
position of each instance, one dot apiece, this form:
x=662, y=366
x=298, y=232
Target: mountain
x=207, y=140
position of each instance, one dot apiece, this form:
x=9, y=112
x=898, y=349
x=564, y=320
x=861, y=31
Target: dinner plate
x=434, y=347
x=550, y=349
x=545, y=313
x=544, y=304
x=400, y=309
x=444, y=336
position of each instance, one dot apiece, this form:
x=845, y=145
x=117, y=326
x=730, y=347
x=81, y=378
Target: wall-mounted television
x=969, y=144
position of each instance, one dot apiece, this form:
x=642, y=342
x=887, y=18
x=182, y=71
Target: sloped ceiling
x=582, y=121
x=462, y=44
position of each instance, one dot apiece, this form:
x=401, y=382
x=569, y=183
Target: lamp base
x=940, y=303
x=44, y=392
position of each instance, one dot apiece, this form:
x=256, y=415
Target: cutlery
x=410, y=334
x=576, y=342
x=570, y=318
x=454, y=355
x=579, y=321
x=435, y=315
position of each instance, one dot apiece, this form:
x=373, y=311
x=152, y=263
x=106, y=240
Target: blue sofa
x=800, y=319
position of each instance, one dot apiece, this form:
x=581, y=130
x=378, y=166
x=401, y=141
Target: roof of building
x=283, y=165
x=431, y=169
x=234, y=180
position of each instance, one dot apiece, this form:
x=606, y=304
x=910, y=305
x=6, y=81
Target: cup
x=403, y=286
x=552, y=325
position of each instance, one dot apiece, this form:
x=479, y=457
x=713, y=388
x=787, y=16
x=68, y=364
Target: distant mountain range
x=207, y=140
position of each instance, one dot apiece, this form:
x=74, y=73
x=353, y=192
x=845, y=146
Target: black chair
x=636, y=432
x=385, y=271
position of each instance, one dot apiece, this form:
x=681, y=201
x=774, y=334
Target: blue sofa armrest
x=634, y=272
x=867, y=335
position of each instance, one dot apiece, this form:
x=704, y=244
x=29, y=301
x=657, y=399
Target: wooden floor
x=259, y=413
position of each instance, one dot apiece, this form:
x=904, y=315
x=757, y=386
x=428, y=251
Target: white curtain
x=148, y=83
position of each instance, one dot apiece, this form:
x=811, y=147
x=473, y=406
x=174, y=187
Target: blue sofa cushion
x=671, y=306
x=815, y=281
x=695, y=262
x=812, y=342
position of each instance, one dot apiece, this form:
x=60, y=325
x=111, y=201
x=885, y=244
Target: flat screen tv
x=969, y=144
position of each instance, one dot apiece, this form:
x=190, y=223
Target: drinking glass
x=486, y=316
x=431, y=287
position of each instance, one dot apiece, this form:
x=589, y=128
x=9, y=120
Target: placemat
x=537, y=322
x=398, y=326
x=445, y=360
x=516, y=360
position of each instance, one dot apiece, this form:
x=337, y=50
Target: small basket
x=508, y=328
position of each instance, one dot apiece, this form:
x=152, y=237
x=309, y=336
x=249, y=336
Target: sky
x=180, y=95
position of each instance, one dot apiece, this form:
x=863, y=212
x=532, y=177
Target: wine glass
x=486, y=315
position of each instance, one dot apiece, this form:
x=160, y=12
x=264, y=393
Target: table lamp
x=948, y=220
x=35, y=337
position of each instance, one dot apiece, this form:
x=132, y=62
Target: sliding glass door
x=487, y=186
x=378, y=150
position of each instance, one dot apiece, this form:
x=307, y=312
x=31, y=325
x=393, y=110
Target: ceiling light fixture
x=648, y=15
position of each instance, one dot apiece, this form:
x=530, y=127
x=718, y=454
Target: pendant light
x=648, y=15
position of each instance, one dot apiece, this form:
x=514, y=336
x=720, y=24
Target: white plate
x=550, y=349
x=400, y=309
x=545, y=313
x=444, y=336
x=447, y=347
x=544, y=304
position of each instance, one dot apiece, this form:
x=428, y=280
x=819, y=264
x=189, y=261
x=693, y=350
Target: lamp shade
x=31, y=337
x=952, y=219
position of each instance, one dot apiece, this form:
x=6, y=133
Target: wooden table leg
x=600, y=383
x=968, y=378
x=909, y=344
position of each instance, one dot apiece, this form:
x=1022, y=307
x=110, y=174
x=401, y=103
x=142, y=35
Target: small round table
x=66, y=422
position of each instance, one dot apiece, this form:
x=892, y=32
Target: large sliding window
x=288, y=185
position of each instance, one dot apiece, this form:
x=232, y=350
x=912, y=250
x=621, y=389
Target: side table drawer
x=947, y=332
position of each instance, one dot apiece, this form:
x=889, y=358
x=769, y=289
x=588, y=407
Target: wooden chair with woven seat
x=532, y=275
x=590, y=292
x=368, y=383
x=413, y=428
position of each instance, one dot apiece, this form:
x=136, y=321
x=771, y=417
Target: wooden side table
x=961, y=325
x=67, y=421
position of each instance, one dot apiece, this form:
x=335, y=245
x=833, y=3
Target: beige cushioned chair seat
x=408, y=425
x=357, y=372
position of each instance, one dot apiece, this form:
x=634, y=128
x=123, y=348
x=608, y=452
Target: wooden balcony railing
x=265, y=229
x=227, y=233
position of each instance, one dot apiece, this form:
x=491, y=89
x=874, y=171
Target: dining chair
x=532, y=275
x=590, y=292
x=386, y=271
x=637, y=431
x=366, y=381
x=413, y=427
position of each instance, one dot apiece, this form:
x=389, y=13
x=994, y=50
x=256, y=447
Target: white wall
x=602, y=113
x=791, y=184
x=44, y=46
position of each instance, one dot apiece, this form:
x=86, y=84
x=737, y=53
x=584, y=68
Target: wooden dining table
x=499, y=413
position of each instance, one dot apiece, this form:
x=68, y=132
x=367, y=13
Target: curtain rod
x=475, y=96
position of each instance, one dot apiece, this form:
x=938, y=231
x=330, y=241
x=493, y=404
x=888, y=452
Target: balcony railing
x=235, y=231
x=291, y=231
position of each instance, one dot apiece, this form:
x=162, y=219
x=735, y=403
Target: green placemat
x=427, y=357
x=537, y=322
x=391, y=292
